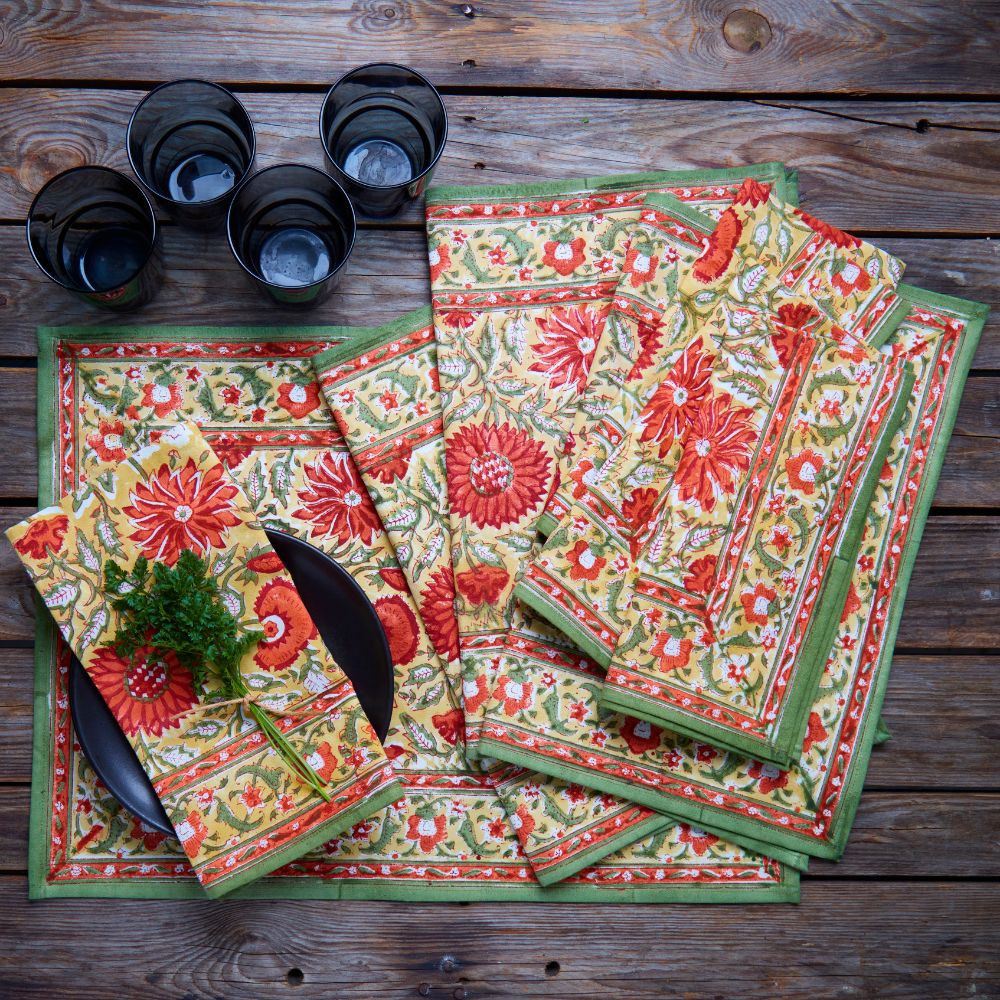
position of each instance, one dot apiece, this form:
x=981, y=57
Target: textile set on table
x=636, y=500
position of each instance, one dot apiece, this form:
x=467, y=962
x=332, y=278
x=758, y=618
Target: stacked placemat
x=636, y=498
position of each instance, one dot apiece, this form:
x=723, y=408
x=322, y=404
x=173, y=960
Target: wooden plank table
x=890, y=111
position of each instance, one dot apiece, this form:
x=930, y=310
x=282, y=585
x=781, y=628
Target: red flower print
x=756, y=603
x=815, y=732
x=362, y=832
x=585, y=564
x=437, y=609
x=798, y=315
x=323, y=761
x=851, y=277
x=145, y=694
x=701, y=574
x=483, y=584
x=192, y=832
x=640, y=735
x=752, y=193
x=451, y=725
x=637, y=510
x=828, y=232
x=107, y=441
x=288, y=629
x=298, y=400
x=178, y=509
x=515, y=695
x=719, y=251
x=335, y=503
x=460, y=319
x=674, y=652
x=193, y=374
x=395, y=468
x=400, y=625
x=578, y=711
x=45, y=533
x=768, y=776
x=251, y=797
x=475, y=693
x=697, y=839
x=497, y=829
x=231, y=394
x=567, y=345
x=574, y=794
x=564, y=256
x=231, y=455
x=578, y=477
x=440, y=260
x=640, y=267
x=851, y=605
x=718, y=447
x=496, y=474
x=649, y=337
x=523, y=822
x=285, y=803
x=781, y=539
x=395, y=578
x=389, y=400
x=497, y=255
x=150, y=838
x=705, y=754
x=266, y=562
x=258, y=415
x=164, y=399
x=803, y=469
x=427, y=831
x=668, y=413
x=784, y=342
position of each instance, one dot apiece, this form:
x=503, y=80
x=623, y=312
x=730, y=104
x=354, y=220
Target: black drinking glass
x=190, y=144
x=93, y=231
x=383, y=128
x=292, y=229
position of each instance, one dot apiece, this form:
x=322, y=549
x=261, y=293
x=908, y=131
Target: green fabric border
x=358, y=339
x=539, y=601
x=600, y=851
x=448, y=194
x=786, y=891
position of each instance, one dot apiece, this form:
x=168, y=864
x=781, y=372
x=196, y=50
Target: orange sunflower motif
x=496, y=473
x=718, y=448
x=440, y=260
x=515, y=695
x=640, y=267
x=565, y=256
x=697, y=839
x=568, y=344
x=427, y=831
x=335, y=502
x=45, y=534
x=803, y=470
x=107, y=441
x=523, y=822
x=450, y=725
x=164, y=399
x=584, y=563
x=673, y=652
x=701, y=574
x=298, y=400
x=288, y=629
x=757, y=603
x=719, y=251
x=146, y=694
x=178, y=509
x=437, y=609
x=400, y=626
x=640, y=735
x=475, y=693
x=482, y=584
x=668, y=413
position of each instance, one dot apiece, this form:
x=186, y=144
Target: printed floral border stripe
x=638, y=873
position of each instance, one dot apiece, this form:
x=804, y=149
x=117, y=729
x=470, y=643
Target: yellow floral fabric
x=239, y=812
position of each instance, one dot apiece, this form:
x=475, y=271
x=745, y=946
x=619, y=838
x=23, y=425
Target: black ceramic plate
x=347, y=624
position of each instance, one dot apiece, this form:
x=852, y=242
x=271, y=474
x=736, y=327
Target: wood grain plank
x=869, y=166
x=917, y=48
x=385, y=277
x=908, y=941
x=929, y=834
x=940, y=710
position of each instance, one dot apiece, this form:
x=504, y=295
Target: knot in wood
x=746, y=31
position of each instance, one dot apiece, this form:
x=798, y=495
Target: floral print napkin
x=238, y=810
x=521, y=286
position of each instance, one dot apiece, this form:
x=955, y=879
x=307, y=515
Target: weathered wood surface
x=941, y=711
x=386, y=276
x=905, y=940
x=850, y=156
x=631, y=45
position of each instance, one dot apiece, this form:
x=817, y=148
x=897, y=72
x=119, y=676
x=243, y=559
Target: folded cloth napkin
x=382, y=387
x=521, y=281
x=810, y=805
x=237, y=808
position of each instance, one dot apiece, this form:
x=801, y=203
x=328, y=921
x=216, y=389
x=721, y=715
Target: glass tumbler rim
x=91, y=168
x=312, y=170
x=386, y=65
x=166, y=197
